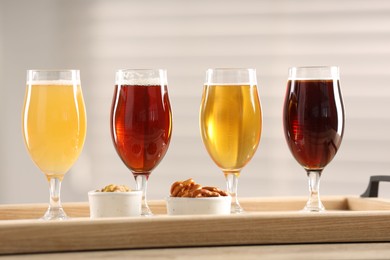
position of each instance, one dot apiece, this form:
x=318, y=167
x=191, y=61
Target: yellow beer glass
x=54, y=127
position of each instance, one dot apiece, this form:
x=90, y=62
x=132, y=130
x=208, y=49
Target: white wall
x=187, y=37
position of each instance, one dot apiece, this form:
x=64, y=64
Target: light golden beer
x=54, y=125
x=231, y=124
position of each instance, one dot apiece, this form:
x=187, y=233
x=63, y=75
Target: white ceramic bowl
x=199, y=206
x=114, y=204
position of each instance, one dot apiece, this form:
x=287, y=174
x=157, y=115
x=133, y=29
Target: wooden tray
x=266, y=221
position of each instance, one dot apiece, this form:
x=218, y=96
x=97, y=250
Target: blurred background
x=187, y=37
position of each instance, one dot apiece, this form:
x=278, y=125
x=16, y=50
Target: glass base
x=236, y=208
x=311, y=208
x=55, y=214
x=145, y=211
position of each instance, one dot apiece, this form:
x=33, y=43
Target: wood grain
x=252, y=228
x=362, y=251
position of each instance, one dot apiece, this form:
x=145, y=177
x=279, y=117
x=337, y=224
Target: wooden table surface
x=305, y=251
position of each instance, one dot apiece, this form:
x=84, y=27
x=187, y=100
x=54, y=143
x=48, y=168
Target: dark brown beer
x=313, y=120
x=141, y=125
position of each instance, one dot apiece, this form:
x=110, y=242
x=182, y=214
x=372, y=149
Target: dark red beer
x=141, y=125
x=313, y=120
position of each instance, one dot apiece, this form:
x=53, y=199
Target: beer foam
x=142, y=82
x=53, y=82
x=231, y=84
x=141, y=77
x=314, y=73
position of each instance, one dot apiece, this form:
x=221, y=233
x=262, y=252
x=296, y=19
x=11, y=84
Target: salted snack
x=115, y=188
x=114, y=201
x=190, y=189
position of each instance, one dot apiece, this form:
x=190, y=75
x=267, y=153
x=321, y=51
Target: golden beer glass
x=231, y=122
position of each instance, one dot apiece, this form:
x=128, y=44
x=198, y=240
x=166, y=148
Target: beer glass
x=313, y=119
x=231, y=122
x=54, y=127
x=141, y=122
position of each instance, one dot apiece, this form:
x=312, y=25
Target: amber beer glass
x=231, y=122
x=54, y=127
x=313, y=119
x=141, y=123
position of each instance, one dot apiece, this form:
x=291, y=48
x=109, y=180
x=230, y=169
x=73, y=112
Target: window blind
x=188, y=37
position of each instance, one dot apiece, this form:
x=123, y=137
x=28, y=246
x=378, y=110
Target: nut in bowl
x=190, y=198
x=114, y=201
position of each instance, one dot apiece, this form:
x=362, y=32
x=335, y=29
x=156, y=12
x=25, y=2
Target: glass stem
x=55, y=210
x=231, y=185
x=314, y=203
x=142, y=184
